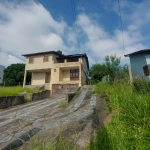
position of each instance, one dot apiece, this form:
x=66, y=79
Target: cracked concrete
x=43, y=115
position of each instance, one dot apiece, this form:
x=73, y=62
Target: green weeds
x=52, y=143
x=77, y=93
x=63, y=104
x=15, y=90
x=130, y=125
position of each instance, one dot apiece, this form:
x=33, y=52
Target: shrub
x=141, y=85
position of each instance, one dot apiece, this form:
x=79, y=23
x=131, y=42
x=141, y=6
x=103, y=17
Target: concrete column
x=80, y=75
x=65, y=60
x=130, y=74
x=24, y=80
x=51, y=90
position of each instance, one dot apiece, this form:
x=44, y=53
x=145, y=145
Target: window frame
x=31, y=60
x=45, y=59
x=74, y=74
x=146, y=70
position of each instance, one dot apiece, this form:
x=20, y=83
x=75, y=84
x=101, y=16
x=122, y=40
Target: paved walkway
x=44, y=114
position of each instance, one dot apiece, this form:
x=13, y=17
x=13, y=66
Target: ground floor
x=58, y=80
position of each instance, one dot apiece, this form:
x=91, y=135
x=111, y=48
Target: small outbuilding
x=140, y=62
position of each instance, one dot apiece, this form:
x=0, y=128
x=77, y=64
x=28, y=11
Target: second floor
x=52, y=59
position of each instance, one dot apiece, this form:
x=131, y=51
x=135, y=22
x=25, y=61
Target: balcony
x=66, y=64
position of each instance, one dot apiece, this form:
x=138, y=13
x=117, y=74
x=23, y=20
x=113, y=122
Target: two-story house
x=58, y=73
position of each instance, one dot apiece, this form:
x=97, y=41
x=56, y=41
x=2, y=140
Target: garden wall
x=9, y=101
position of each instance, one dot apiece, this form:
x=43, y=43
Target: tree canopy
x=14, y=74
x=112, y=63
x=59, y=52
x=97, y=72
x=111, y=67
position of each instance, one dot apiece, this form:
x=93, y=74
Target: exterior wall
x=38, y=62
x=147, y=58
x=38, y=78
x=66, y=75
x=60, y=75
x=55, y=75
x=1, y=73
x=84, y=72
x=137, y=63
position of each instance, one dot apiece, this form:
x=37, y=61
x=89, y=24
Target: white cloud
x=7, y=59
x=100, y=43
x=29, y=27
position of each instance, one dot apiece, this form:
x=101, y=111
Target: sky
x=73, y=26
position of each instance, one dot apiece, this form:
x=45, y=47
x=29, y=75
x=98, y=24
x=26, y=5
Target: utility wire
x=73, y=9
x=121, y=24
x=74, y=16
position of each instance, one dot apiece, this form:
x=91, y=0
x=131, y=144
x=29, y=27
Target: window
x=74, y=74
x=30, y=60
x=146, y=70
x=45, y=59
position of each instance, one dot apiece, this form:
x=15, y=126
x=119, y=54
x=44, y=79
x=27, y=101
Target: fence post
x=130, y=74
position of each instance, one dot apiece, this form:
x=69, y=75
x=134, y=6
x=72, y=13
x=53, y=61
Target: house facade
x=56, y=72
x=1, y=73
x=140, y=63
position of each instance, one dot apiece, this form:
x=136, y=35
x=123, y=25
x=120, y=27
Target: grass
x=129, y=128
x=63, y=104
x=15, y=90
x=77, y=93
x=51, y=142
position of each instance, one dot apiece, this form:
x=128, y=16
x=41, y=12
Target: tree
x=14, y=74
x=59, y=52
x=97, y=72
x=112, y=64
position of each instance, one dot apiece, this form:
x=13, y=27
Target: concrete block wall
x=9, y=101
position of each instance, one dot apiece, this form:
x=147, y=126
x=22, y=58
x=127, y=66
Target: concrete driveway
x=44, y=114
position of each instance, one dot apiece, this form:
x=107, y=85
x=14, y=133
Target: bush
x=141, y=85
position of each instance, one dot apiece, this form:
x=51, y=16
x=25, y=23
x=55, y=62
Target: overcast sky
x=73, y=26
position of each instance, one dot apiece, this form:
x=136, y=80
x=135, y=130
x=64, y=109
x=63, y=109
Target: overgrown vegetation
x=130, y=125
x=15, y=90
x=52, y=142
x=141, y=85
x=110, y=68
x=14, y=74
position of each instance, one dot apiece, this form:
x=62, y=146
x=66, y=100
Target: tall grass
x=15, y=90
x=51, y=142
x=129, y=128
